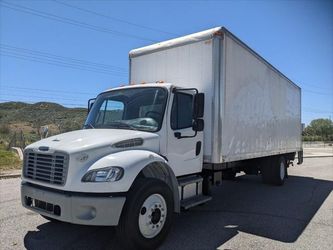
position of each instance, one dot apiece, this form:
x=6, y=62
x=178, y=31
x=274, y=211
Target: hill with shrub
x=28, y=118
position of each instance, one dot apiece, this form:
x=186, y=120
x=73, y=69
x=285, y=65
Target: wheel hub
x=156, y=216
x=152, y=215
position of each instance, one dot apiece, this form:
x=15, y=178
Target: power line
x=46, y=90
x=56, y=63
x=306, y=107
x=113, y=18
x=66, y=20
x=50, y=63
x=59, y=62
x=313, y=110
x=317, y=112
x=317, y=93
x=315, y=86
x=58, y=57
x=40, y=97
x=8, y=91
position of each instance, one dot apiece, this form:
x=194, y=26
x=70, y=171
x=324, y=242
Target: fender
x=135, y=162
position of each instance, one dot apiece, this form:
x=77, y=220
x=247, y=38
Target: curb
x=9, y=176
x=317, y=156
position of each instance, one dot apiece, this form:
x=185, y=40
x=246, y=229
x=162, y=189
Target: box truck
x=197, y=110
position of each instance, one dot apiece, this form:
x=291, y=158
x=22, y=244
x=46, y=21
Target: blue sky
x=51, y=51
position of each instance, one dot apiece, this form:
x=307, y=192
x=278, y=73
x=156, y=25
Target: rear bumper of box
x=76, y=209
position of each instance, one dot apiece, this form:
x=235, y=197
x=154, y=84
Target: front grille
x=51, y=168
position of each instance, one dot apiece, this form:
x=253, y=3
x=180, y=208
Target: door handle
x=178, y=135
x=198, y=148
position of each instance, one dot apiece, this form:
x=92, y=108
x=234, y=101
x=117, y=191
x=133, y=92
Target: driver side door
x=184, y=153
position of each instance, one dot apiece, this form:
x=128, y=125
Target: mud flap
x=300, y=157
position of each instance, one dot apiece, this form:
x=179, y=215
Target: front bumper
x=77, y=209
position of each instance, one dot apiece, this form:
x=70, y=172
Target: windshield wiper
x=121, y=125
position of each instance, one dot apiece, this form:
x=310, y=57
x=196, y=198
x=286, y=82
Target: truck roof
x=141, y=85
x=200, y=36
x=196, y=37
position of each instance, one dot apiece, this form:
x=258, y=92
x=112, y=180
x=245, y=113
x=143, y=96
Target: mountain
x=28, y=118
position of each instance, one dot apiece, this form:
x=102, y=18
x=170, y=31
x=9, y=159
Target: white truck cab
x=148, y=150
x=84, y=176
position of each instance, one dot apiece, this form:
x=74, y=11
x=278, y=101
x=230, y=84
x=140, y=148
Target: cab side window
x=181, y=111
x=110, y=111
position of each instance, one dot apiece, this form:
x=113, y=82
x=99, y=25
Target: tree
x=320, y=128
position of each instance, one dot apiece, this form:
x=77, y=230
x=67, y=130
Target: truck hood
x=88, y=139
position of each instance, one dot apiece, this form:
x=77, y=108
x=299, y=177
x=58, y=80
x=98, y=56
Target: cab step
x=189, y=180
x=194, y=201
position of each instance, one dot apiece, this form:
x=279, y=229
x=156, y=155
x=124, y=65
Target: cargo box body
x=251, y=109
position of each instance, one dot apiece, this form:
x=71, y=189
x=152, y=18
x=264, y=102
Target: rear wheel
x=147, y=215
x=228, y=174
x=274, y=170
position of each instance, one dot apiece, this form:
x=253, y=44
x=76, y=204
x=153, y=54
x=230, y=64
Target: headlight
x=107, y=174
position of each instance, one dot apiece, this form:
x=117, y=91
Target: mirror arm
x=89, y=103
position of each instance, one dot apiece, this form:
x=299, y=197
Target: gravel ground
x=318, y=151
x=244, y=214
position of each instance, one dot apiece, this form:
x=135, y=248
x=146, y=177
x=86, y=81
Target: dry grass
x=9, y=160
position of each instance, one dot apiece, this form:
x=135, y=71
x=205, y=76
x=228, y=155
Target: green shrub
x=4, y=129
x=9, y=160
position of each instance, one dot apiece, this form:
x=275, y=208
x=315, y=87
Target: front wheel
x=147, y=215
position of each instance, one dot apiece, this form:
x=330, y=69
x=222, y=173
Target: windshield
x=132, y=108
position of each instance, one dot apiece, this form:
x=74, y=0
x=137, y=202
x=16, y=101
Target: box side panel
x=261, y=113
x=187, y=66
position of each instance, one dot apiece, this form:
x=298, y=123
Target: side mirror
x=90, y=103
x=199, y=105
x=198, y=125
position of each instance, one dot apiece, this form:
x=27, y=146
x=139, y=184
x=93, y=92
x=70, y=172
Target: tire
x=228, y=174
x=141, y=225
x=274, y=170
x=207, y=186
x=265, y=170
x=50, y=219
x=279, y=171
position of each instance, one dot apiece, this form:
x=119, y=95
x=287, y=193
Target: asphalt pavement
x=244, y=214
